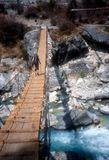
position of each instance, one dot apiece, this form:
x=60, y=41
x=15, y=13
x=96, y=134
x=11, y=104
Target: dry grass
x=10, y=51
x=58, y=35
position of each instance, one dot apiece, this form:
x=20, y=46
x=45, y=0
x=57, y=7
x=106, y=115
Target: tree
x=100, y=3
x=19, y=7
x=52, y=3
x=72, y=5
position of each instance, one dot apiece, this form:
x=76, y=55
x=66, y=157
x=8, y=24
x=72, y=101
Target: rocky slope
x=78, y=97
x=80, y=85
x=13, y=75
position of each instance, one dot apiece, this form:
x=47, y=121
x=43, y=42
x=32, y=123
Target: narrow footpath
x=19, y=135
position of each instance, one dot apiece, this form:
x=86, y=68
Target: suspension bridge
x=19, y=137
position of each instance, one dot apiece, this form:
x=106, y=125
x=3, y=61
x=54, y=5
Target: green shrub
x=32, y=12
x=2, y=9
x=54, y=21
x=82, y=74
x=65, y=27
x=52, y=4
x=39, y=11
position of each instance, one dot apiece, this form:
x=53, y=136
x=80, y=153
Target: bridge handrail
x=89, y=9
x=45, y=114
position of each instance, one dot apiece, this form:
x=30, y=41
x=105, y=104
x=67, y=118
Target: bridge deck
x=19, y=135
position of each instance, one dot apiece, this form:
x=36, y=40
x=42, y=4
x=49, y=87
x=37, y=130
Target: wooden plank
x=21, y=127
x=19, y=135
x=31, y=157
x=22, y=137
x=24, y=114
x=7, y=126
x=28, y=148
x=3, y=137
x=1, y=146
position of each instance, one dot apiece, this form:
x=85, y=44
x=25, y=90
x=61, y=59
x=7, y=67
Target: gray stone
x=72, y=48
x=53, y=119
x=94, y=117
x=104, y=73
x=96, y=35
x=68, y=155
x=74, y=118
x=104, y=110
x=53, y=97
x=79, y=67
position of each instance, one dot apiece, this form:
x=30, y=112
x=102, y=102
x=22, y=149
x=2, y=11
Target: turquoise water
x=91, y=143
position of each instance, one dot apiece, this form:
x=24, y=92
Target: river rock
x=94, y=117
x=104, y=110
x=69, y=49
x=52, y=119
x=96, y=35
x=79, y=66
x=82, y=118
x=74, y=118
x=53, y=97
x=6, y=96
x=103, y=73
x=69, y=155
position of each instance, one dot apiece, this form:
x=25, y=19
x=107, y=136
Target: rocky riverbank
x=84, y=79
x=78, y=97
x=14, y=73
x=70, y=85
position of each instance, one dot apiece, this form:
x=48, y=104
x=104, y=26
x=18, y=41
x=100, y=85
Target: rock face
x=66, y=50
x=96, y=35
x=31, y=41
x=76, y=118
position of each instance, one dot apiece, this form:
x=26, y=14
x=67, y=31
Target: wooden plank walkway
x=19, y=135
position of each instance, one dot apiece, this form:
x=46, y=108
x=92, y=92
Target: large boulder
x=69, y=49
x=76, y=118
x=52, y=119
x=68, y=155
x=96, y=35
x=31, y=40
x=53, y=97
x=105, y=110
x=103, y=73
